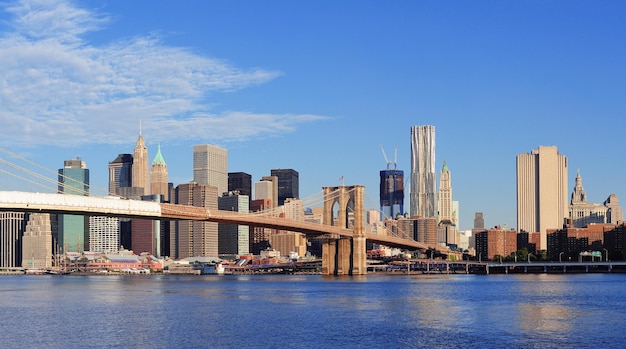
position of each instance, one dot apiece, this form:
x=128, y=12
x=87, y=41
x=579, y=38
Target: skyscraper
x=159, y=176
x=140, y=166
x=12, y=226
x=391, y=193
x=210, y=166
x=241, y=182
x=541, y=191
x=234, y=239
x=37, y=241
x=73, y=229
x=195, y=238
x=423, y=178
x=288, y=184
x=445, y=195
x=120, y=173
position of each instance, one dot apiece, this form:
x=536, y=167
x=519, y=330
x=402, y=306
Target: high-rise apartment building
x=73, y=233
x=391, y=193
x=423, y=199
x=541, y=191
x=210, y=166
x=141, y=176
x=288, y=184
x=159, y=184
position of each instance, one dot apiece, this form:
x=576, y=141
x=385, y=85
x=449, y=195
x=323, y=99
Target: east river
x=312, y=311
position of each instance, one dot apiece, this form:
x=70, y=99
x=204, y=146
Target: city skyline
x=495, y=79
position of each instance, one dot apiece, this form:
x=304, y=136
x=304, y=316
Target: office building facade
x=141, y=176
x=541, y=191
x=210, y=166
x=73, y=235
x=288, y=184
x=391, y=193
x=423, y=196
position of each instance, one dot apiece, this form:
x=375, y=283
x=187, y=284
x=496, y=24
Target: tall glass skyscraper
x=73, y=229
x=423, y=199
x=391, y=193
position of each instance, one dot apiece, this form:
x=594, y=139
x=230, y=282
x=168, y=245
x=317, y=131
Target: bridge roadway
x=117, y=207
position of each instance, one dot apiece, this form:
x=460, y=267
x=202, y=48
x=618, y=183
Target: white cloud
x=56, y=88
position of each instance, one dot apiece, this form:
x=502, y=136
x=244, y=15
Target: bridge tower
x=344, y=256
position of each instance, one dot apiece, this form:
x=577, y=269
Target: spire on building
x=158, y=158
x=579, y=196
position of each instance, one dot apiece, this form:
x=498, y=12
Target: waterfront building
x=288, y=184
x=267, y=188
x=140, y=174
x=571, y=241
x=423, y=200
x=529, y=241
x=233, y=239
x=210, y=166
x=104, y=235
x=541, y=191
x=241, y=182
x=73, y=234
x=12, y=226
x=159, y=184
x=497, y=241
x=37, y=242
x=195, y=238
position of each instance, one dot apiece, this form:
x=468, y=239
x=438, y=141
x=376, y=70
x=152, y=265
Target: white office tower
x=104, y=234
x=423, y=198
x=210, y=167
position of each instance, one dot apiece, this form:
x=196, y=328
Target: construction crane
x=385, y=155
x=387, y=160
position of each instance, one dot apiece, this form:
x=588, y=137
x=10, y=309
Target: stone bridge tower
x=344, y=256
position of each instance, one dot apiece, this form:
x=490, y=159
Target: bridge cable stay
x=67, y=179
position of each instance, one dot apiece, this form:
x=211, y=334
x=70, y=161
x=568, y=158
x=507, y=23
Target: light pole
x=606, y=253
x=529, y=257
x=560, y=254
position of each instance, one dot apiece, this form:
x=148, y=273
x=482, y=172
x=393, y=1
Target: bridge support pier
x=346, y=256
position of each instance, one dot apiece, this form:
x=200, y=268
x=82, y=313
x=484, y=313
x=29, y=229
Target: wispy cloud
x=57, y=88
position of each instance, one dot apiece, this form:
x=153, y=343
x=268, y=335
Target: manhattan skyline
x=318, y=87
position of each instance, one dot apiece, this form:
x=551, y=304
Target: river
x=314, y=311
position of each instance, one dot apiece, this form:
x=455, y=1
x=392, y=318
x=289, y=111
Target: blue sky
x=319, y=86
